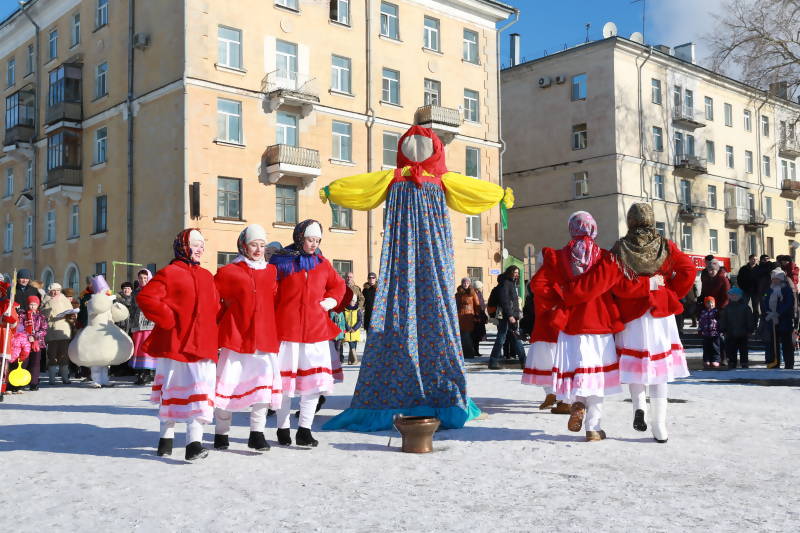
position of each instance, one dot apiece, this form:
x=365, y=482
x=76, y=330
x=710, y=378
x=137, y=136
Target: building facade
x=613, y=122
x=220, y=114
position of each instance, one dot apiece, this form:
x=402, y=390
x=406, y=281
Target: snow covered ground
x=74, y=458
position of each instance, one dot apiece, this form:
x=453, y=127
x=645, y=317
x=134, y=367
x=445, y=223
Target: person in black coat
x=507, y=304
x=762, y=274
x=24, y=288
x=369, y=298
x=747, y=280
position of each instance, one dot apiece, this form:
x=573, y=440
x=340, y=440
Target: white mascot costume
x=101, y=343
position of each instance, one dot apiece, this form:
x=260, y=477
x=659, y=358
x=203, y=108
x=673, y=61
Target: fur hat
x=55, y=286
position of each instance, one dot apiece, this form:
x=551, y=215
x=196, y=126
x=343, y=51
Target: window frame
x=467, y=47
x=728, y=114
x=711, y=196
x=392, y=150
x=335, y=12
x=748, y=120
x=11, y=72
x=101, y=14
x=226, y=44
x=74, y=221
x=226, y=118
x=342, y=141
x=730, y=160
x=340, y=73
x=580, y=178
x=733, y=242
x=709, y=107
x=75, y=30
x=287, y=61
x=226, y=197
x=766, y=165
x=431, y=92
x=764, y=126
x=473, y=228
x=281, y=204
x=713, y=241
x=656, y=96
x=50, y=227
x=8, y=241
x=341, y=217
x=659, y=187
x=477, y=165
x=100, y=145
x=431, y=35
x=390, y=86
x=711, y=152
x=748, y=162
x=284, y=129
x=390, y=22
x=580, y=137
x=687, y=237
x=658, y=139
x=581, y=82
x=472, y=112
x=101, y=80
x=27, y=239
x=100, y=214
x=52, y=44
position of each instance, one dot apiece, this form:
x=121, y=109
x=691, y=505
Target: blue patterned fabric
x=412, y=362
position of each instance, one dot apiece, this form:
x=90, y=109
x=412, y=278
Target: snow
x=73, y=457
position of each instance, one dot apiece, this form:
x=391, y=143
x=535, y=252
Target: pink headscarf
x=582, y=251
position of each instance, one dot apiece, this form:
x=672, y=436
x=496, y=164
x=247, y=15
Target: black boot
x=320, y=403
x=257, y=441
x=195, y=451
x=221, y=442
x=164, y=447
x=139, y=377
x=303, y=437
x=638, y=420
x=284, y=438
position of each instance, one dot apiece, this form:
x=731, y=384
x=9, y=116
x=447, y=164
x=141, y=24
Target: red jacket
x=247, y=318
x=183, y=302
x=7, y=323
x=301, y=318
x=545, y=299
x=678, y=271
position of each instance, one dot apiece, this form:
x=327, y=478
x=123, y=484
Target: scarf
x=582, y=251
x=292, y=259
x=181, y=249
x=642, y=251
x=433, y=165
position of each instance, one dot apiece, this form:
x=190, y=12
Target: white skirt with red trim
x=184, y=391
x=305, y=368
x=650, y=351
x=539, y=364
x=247, y=379
x=336, y=364
x=585, y=365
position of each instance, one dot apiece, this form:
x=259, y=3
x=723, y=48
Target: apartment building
x=605, y=124
x=126, y=121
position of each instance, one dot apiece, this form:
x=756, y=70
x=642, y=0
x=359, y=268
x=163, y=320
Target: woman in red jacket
x=650, y=349
x=247, y=371
x=308, y=288
x=183, y=303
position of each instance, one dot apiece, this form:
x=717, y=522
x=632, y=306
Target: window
x=766, y=166
x=65, y=85
x=340, y=11
x=784, y=169
x=340, y=74
x=72, y=279
x=29, y=175
x=473, y=162
x=471, y=106
x=688, y=102
x=390, y=141
x=50, y=227
x=225, y=258
x=342, y=267
x=661, y=229
x=658, y=187
x=792, y=170
x=286, y=60
x=31, y=59
x=728, y=114
x=52, y=44
x=789, y=211
x=100, y=87
x=713, y=241
x=8, y=244
x=470, y=47
x=748, y=120
x=658, y=139
x=710, y=152
x=391, y=87
x=100, y=214
x=9, y=182
x=748, y=161
x=581, y=180
x=765, y=125
x=655, y=91
x=733, y=243
x=579, y=87
x=432, y=92
x=768, y=207
x=389, y=21
x=28, y=242
x=342, y=141
x=579, y=137
x=686, y=236
x=11, y=72
x=770, y=247
x=229, y=198
x=101, y=268
x=229, y=44
x=291, y=4
x=709, y=108
x=74, y=221
x=684, y=143
x=712, y=196
x=63, y=150
x=286, y=129
x=475, y=274
x=100, y=145
x=751, y=244
x=229, y=121
x=729, y=156
x=101, y=15
x=75, y=33
x=342, y=217
x=685, y=194
x=430, y=38
x=286, y=204
x=473, y=227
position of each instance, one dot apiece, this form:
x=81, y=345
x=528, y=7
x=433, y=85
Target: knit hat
x=54, y=286
x=710, y=299
x=253, y=232
x=33, y=299
x=736, y=291
x=24, y=273
x=313, y=230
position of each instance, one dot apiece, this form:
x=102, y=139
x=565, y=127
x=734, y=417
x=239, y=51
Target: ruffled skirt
x=305, y=368
x=247, y=379
x=185, y=391
x=585, y=365
x=539, y=364
x=650, y=351
x=141, y=360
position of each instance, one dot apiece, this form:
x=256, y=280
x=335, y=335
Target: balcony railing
x=63, y=176
x=735, y=216
x=687, y=117
x=690, y=165
x=283, y=160
x=444, y=121
x=788, y=147
x=692, y=211
x=790, y=189
x=19, y=133
x=755, y=219
x=71, y=111
x=291, y=89
x=791, y=228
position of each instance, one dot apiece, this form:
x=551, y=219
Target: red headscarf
x=581, y=252
x=181, y=248
x=433, y=165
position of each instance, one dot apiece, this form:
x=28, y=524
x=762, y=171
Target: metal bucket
x=417, y=432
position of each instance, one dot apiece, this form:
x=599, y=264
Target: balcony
x=64, y=111
x=281, y=160
x=788, y=148
x=791, y=228
x=790, y=189
x=689, y=166
x=686, y=117
x=64, y=183
x=444, y=121
x=691, y=211
x=290, y=89
x=21, y=133
x=736, y=216
x=755, y=219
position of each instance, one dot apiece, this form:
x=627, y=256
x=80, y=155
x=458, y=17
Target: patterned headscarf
x=293, y=258
x=582, y=251
x=181, y=249
x=642, y=250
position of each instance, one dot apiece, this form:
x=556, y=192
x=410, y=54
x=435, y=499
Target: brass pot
x=417, y=432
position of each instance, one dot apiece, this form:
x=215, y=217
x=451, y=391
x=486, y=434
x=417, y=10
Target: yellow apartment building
x=605, y=124
x=126, y=121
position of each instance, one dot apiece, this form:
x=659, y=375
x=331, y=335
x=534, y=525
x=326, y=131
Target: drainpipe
x=641, y=123
x=500, y=127
x=370, y=112
x=36, y=131
x=757, y=163
x=129, y=107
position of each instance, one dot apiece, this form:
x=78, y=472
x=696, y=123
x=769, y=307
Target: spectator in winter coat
x=468, y=307
x=24, y=288
x=369, y=298
x=689, y=303
x=736, y=323
x=508, y=304
x=790, y=268
x=709, y=330
x=28, y=340
x=353, y=319
x=777, y=308
x=349, y=279
x=141, y=329
x=338, y=341
x=125, y=297
x=59, y=332
x=715, y=283
x=526, y=324
x=747, y=280
x=479, y=332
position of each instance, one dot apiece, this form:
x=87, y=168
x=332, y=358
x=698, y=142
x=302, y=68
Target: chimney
x=514, y=49
x=779, y=89
x=663, y=49
x=685, y=52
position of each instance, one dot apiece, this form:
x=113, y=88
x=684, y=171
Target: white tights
x=594, y=412
x=308, y=406
x=194, y=430
x=639, y=398
x=258, y=419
